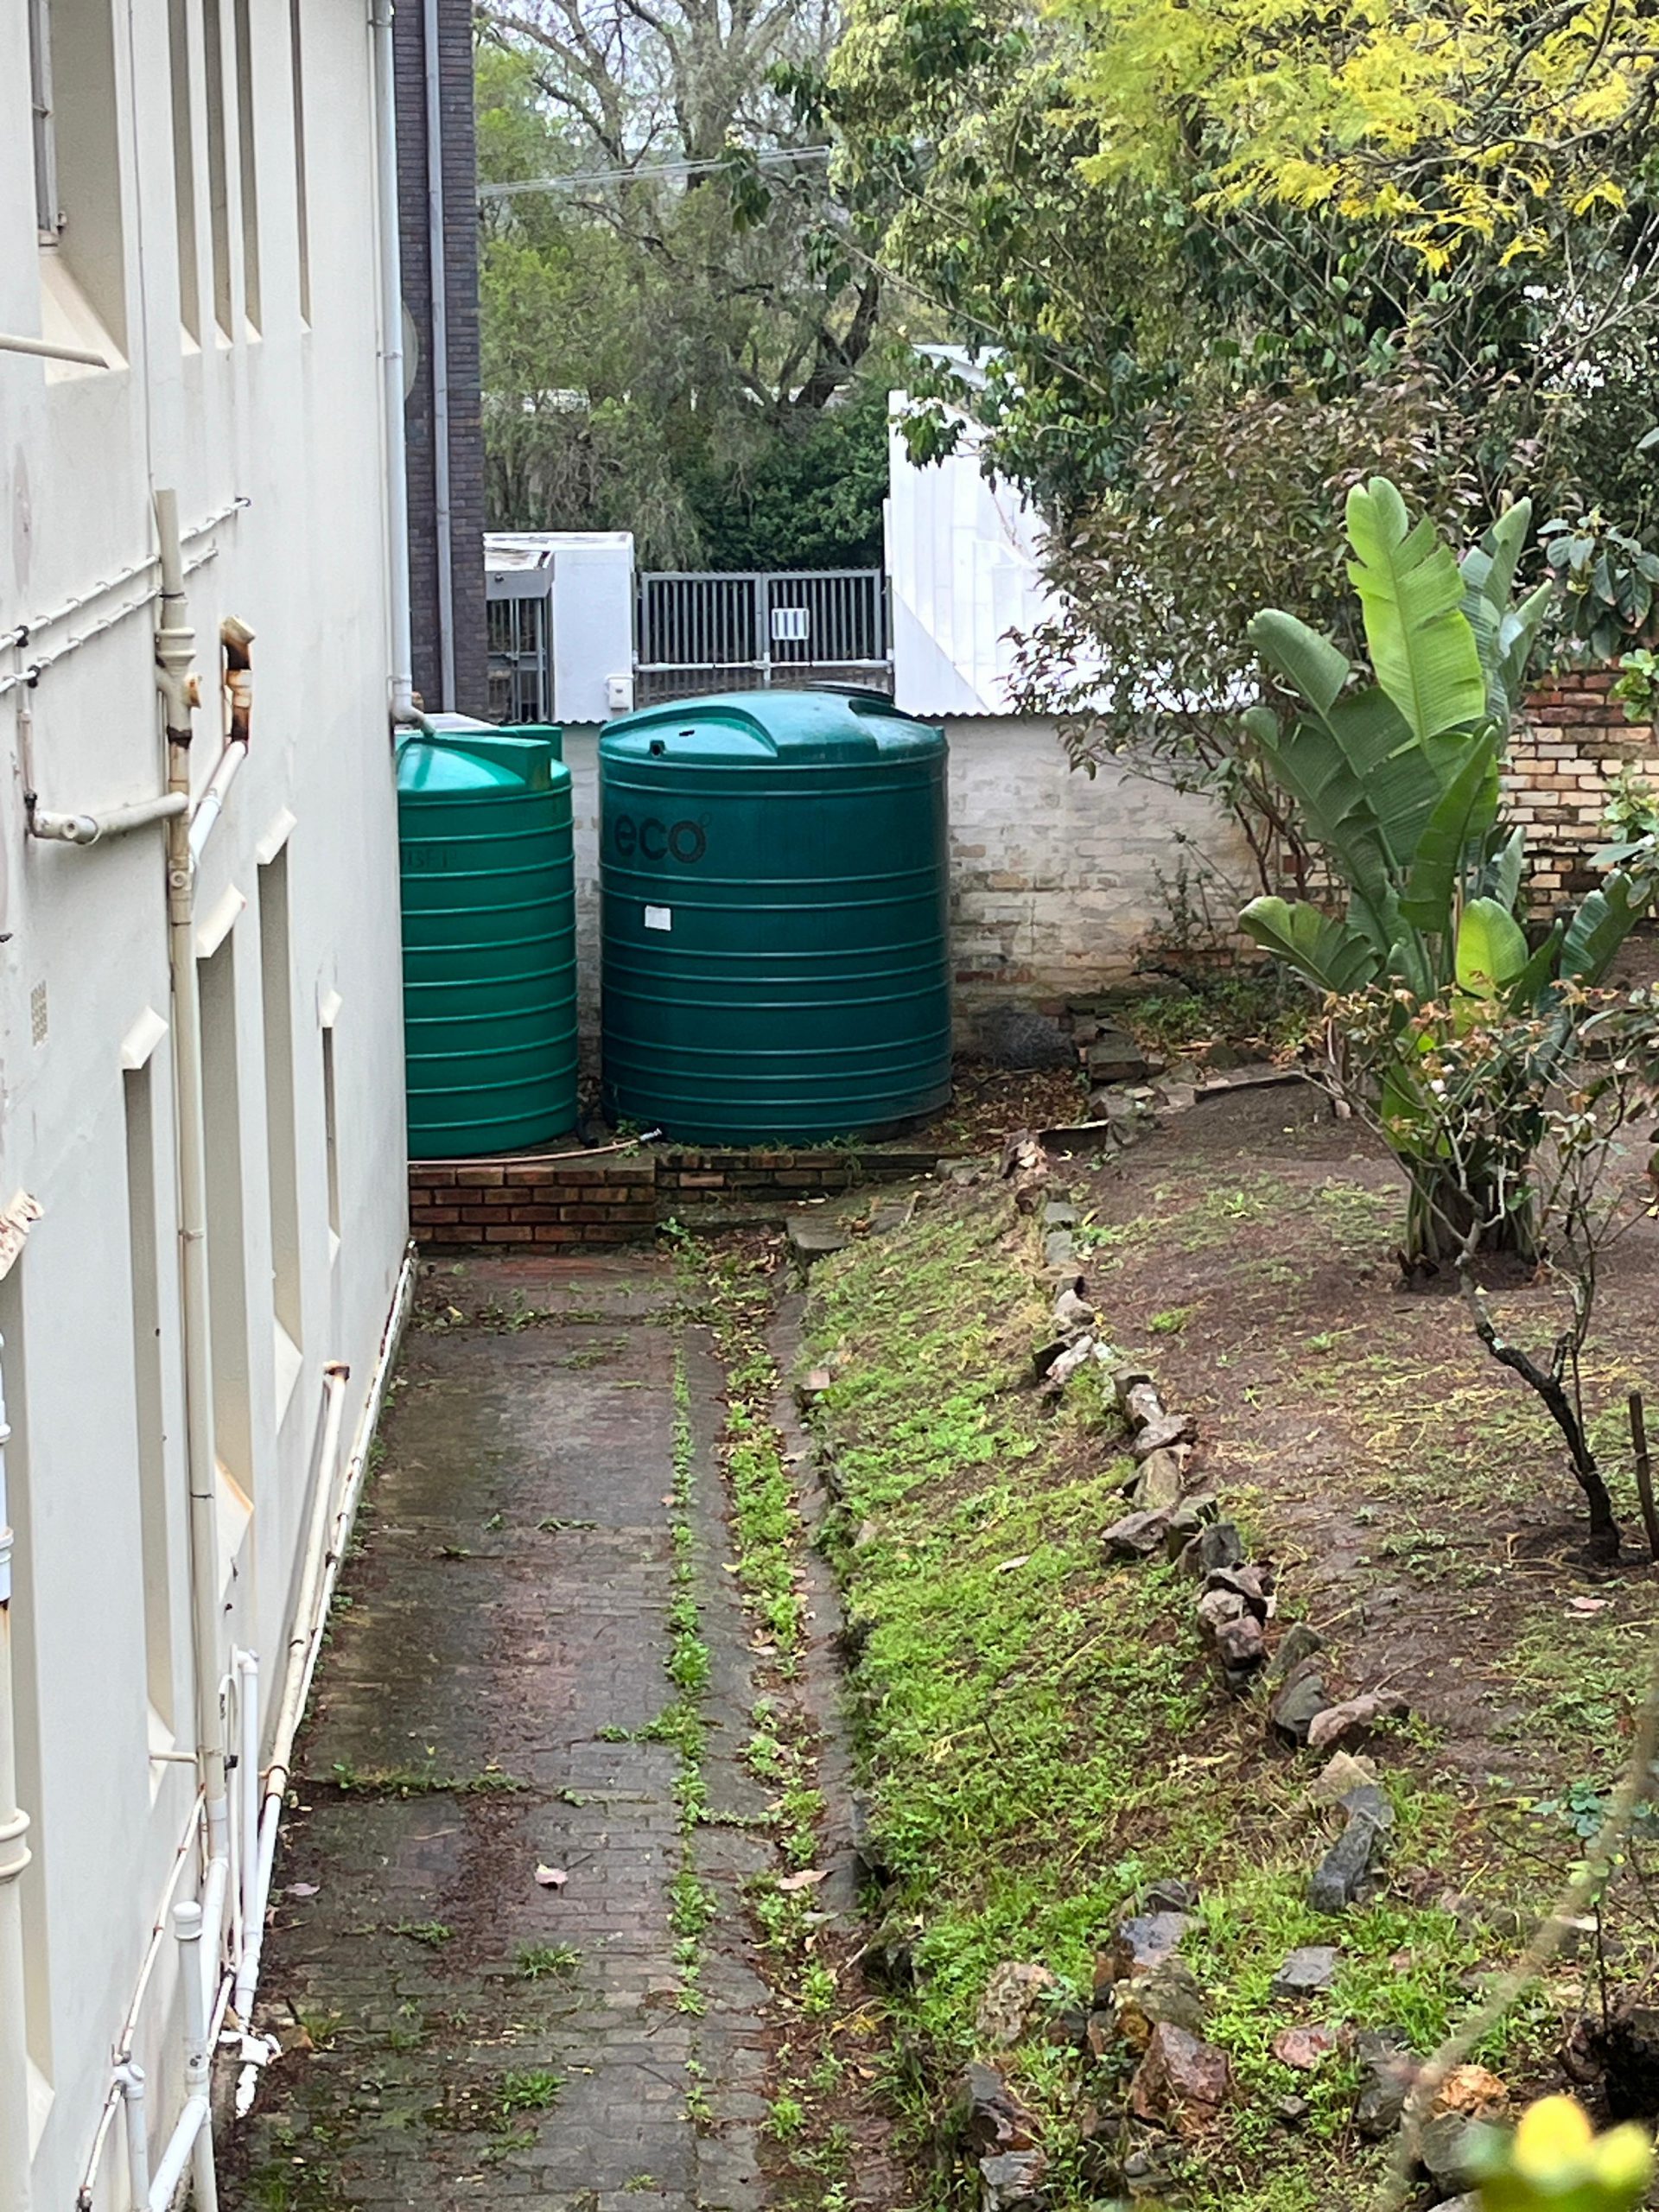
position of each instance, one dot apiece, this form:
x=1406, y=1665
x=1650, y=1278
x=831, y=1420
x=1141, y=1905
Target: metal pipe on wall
x=444, y=551
x=404, y=708
x=174, y=658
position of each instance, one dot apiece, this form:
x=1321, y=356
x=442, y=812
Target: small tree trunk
x=1604, y=1538
x=1447, y=1219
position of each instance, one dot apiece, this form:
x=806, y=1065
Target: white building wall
x=285, y=419
x=1057, y=877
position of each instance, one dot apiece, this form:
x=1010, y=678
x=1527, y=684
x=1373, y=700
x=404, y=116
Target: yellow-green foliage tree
x=1449, y=121
x=1554, y=2162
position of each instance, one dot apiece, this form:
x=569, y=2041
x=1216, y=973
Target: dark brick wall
x=595, y=1199
x=460, y=268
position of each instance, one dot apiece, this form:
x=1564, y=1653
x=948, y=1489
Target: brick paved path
x=505, y=1623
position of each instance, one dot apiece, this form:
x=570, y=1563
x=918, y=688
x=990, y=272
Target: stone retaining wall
x=620, y=1199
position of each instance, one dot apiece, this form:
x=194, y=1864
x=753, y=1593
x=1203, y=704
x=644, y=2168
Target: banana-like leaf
x=1517, y=636
x=1489, y=568
x=1603, y=922
x=1300, y=655
x=1310, y=763
x=1536, y=978
x=1422, y=648
x=1500, y=877
x=1465, y=811
x=1401, y=780
x=1408, y=962
x=1331, y=954
x=1491, y=949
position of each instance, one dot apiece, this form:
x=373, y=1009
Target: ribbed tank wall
x=774, y=879
x=489, y=942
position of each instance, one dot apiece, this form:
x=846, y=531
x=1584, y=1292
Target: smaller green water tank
x=489, y=940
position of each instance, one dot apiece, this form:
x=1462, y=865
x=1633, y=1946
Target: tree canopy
x=675, y=340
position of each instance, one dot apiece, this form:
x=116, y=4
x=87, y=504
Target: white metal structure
x=963, y=570
x=561, y=617
x=203, y=623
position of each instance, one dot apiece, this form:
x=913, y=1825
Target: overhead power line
x=576, y=180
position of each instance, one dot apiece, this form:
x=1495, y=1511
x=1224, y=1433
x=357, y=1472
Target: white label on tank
x=659, y=918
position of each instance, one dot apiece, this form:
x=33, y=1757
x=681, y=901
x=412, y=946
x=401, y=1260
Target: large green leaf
x=1423, y=647
x=1491, y=949
x=1603, y=922
x=1301, y=656
x=1489, y=568
x=1330, y=953
x=1538, y=974
x=1311, y=764
x=1465, y=813
x=1500, y=877
x=1401, y=780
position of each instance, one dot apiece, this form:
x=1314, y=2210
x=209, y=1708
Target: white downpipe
x=174, y=656
x=404, y=708
x=90, y=829
x=44, y=350
x=326, y=1541
x=437, y=268
x=15, y=2160
x=211, y=804
x=247, y=1787
x=129, y=2081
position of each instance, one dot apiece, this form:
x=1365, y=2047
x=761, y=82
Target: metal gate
x=519, y=610
x=713, y=631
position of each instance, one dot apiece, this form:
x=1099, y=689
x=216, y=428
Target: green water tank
x=489, y=940
x=774, y=870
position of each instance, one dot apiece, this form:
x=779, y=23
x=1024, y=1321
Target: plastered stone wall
x=1055, y=874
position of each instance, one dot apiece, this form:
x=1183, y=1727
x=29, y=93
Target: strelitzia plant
x=1397, y=777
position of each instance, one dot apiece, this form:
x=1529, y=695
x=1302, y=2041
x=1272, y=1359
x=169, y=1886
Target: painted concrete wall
x=272, y=399
x=1054, y=876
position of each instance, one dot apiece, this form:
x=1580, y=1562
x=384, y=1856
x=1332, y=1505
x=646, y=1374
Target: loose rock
x=1353, y=1720
x=1163, y=1433
x=1215, y=1609
x=1304, y=2048
x=1140, y=1945
x=1388, y=2069
x=1312, y=1967
x=1172, y=1895
x=1343, y=1871
x=1059, y=1213
x=1295, y=1707
x=1298, y=1641
x=1159, y=1485
x=1020, y=1037
x=1137, y=1396
x=1241, y=1647
x=1072, y=1311
x=1218, y=1545
x=989, y=2118
x=1450, y=2146
x=1075, y=1355
x=1340, y=1774
x=1011, y=2181
x=1168, y=1996
x=1179, y=2075
x=1248, y=1583
x=1012, y=1994
x=1184, y=1522
x=1136, y=1536
x=1059, y=1250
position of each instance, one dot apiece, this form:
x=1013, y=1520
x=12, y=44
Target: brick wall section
x=460, y=268
x=1563, y=765
x=621, y=1200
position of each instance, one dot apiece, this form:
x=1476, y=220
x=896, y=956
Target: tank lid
x=803, y=727
x=454, y=763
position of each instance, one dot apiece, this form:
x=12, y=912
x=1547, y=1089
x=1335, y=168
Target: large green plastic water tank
x=489, y=940
x=773, y=867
